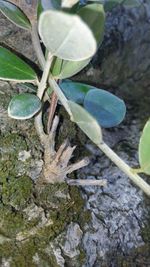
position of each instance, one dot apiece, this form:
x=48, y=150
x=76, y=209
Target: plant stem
x=41, y=59
x=40, y=92
x=60, y=94
x=125, y=168
x=37, y=45
x=42, y=84
x=52, y=109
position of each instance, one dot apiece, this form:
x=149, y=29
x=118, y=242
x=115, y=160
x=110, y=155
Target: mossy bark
x=32, y=215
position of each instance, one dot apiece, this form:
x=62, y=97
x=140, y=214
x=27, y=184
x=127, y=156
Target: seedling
x=70, y=34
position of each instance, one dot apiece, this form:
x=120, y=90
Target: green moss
x=17, y=192
x=65, y=210
x=4, y=99
x=61, y=204
x=11, y=145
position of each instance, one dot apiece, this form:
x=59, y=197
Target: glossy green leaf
x=69, y=3
x=12, y=68
x=105, y=107
x=75, y=91
x=144, y=149
x=62, y=34
x=39, y=9
x=24, y=106
x=86, y=122
x=14, y=14
x=94, y=16
x=110, y=4
x=63, y=69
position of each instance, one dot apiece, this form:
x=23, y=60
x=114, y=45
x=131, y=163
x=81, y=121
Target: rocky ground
x=86, y=227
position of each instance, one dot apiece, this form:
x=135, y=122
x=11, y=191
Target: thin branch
x=125, y=168
x=37, y=45
x=78, y=165
x=54, y=101
x=42, y=85
x=60, y=150
x=41, y=59
x=88, y=182
x=60, y=94
x=40, y=92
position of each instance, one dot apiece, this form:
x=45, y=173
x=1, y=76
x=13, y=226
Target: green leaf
x=75, y=91
x=14, y=14
x=68, y=3
x=94, y=16
x=144, y=149
x=110, y=4
x=24, y=106
x=105, y=107
x=63, y=69
x=86, y=122
x=39, y=9
x=12, y=68
x=62, y=34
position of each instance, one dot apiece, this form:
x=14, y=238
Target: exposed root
x=56, y=166
x=56, y=163
x=88, y=182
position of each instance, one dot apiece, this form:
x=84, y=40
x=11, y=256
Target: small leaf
x=24, y=106
x=75, y=91
x=14, y=14
x=68, y=3
x=63, y=69
x=12, y=68
x=94, y=16
x=144, y=149
x=86, y=122
x=105, y=107
x=62, y=34
x=39, y=8
x=110, y=4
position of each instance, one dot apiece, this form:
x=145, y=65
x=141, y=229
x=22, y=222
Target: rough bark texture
x=55, y=226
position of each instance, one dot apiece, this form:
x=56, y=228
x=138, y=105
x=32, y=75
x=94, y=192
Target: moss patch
x=67, y=210
x=61, y=205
